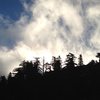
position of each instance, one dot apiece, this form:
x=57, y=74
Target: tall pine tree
x=80, y=60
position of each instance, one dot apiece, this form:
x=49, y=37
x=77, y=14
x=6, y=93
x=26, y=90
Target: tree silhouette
x=36, y=64
x=98, y=56
x=27, y=69
x=19, y=73
x=80, y=60
x=9, y=76
x=70, y=82
x=47, y=67
x=56, y=63
x=3, y=81
x=70, y=61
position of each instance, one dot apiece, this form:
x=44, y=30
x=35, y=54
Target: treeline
x=33, y=80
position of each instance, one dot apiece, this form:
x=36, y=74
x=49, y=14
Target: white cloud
x=94, y=12
x=44, y=29
x=94, y=16
x=8, y=60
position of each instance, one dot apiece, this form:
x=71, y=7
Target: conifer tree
x=80, y=60
x=70, y=61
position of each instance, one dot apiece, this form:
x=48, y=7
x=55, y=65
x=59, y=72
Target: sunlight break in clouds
x=50, y=27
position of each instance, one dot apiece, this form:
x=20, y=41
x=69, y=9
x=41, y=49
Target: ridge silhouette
x=53, y=81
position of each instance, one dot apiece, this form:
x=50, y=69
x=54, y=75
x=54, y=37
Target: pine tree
x=56, y=63
x=80, y=60
x=70, y=61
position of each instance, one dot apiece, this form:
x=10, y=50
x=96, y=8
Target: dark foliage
x=72, y=82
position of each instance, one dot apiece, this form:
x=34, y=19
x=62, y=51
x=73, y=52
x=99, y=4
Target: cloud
x=94, y=12
x=46, y=28
x=8, y=60
x=94, y=15
x=50, y=27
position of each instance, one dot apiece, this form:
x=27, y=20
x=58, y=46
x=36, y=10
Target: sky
x=37, y=28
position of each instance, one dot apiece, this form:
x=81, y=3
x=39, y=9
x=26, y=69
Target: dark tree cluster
x=69, y=81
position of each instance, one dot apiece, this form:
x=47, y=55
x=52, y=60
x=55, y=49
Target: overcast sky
x=30, y=28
